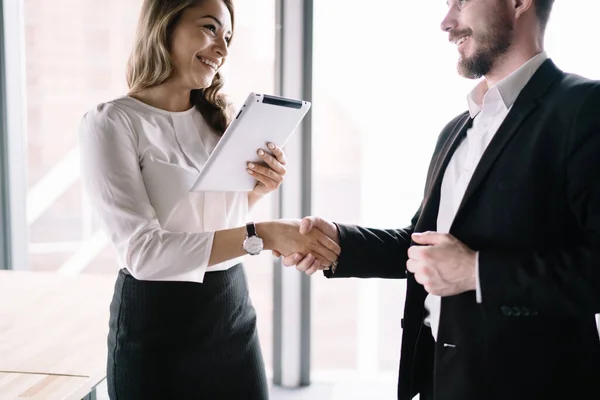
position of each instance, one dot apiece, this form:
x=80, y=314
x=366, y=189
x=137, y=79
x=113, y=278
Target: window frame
x=13, y=155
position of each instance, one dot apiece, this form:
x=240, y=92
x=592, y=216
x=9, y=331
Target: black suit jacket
x=532, y=210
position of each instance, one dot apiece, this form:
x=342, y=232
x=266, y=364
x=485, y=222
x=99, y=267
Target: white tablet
x=261, y=119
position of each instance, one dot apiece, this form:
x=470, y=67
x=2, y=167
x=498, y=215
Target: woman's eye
x=211, y=28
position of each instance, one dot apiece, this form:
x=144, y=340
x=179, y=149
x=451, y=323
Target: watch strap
x=251, y=229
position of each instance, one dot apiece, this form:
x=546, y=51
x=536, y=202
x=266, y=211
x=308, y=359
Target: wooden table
x=53, y=332
x=42, y=387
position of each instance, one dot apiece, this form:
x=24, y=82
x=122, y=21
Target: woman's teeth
x=209, y=63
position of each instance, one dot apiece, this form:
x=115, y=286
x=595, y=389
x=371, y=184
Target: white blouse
x=137, y=165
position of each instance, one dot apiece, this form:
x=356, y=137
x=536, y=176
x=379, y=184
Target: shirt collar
x=508, y=88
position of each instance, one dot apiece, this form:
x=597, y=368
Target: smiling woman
x=184, y=47
x=181, y=321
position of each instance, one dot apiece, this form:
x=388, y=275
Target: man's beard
x=492, y=45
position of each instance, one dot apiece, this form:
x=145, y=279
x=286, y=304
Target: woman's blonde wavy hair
x=150, y=62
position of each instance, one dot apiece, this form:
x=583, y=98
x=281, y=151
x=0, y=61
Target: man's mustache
x=458, y=34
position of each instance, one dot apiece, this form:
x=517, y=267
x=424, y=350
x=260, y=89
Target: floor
x=346, y=390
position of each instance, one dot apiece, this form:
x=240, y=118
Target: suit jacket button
x=506, y=311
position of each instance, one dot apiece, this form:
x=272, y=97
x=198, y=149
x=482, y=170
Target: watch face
x=253, y=245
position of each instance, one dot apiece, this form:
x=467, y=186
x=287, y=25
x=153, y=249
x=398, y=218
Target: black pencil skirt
x=183, y=340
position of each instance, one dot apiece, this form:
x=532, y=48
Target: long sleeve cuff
x=477, y=283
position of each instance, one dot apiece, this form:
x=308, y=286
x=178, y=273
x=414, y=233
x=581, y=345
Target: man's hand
x=443, y=265
x=307, y=263
x=286, y=237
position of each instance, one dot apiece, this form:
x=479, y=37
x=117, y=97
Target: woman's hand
x=269, y=176
x=306, y=262
x=284, y=237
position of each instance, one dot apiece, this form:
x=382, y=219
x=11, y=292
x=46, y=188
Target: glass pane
x=367, y=171
x=383, y=90
x=573, y=28
x=76, y=53
x=251, y=68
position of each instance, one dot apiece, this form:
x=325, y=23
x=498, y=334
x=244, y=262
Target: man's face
x=482, y=30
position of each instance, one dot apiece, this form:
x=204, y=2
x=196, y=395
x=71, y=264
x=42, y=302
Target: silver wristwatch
x=253, y=244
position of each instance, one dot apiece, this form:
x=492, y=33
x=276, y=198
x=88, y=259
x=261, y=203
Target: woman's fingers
x=266, y=180
x=310, y=264
x=278, y=153
x=306, y=263
x=302, y=250
x=313, y=268
x=265, y=171
x=275, y=164
x=272, y=163
x=269, y=176
x=292, y=259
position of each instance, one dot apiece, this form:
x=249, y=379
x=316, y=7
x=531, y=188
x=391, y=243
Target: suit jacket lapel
x=431, y=202
x=527, y=101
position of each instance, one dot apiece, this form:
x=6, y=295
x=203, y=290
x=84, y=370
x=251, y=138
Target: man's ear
x=521, y=6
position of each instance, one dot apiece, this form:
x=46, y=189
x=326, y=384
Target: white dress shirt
x=488, y=108
x=137, y=165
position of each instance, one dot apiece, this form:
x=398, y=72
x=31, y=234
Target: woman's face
x=199, y=43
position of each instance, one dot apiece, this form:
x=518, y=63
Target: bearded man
x=502, y=258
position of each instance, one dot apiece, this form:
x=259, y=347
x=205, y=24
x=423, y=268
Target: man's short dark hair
x=543, y=9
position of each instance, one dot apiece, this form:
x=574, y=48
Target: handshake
x=311, y=244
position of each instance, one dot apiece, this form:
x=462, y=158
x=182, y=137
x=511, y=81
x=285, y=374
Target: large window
x=251, y=68
x=385, y=84
x=377, y=114
x=76, y=53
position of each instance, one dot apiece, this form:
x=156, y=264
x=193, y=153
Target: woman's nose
x=221, y=48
